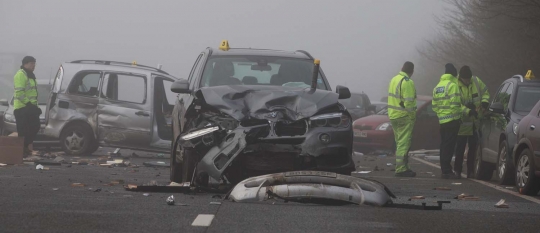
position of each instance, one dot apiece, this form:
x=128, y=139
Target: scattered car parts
x=312, y=186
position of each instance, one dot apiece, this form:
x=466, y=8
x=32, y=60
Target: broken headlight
x=199, y=133
x=338, y=120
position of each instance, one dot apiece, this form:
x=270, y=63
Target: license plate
x=360, y=134
x=310, y=173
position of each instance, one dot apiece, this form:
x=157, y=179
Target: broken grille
x=296, y=128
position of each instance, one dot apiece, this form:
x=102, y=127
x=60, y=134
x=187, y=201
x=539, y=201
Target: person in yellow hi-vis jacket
x=402, y=114
x=25, y=104
x=474, y=101
x=447, y=104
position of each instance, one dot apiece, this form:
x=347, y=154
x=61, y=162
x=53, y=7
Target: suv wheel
x=526, y=181
x=78, y=140
x=504, y=166
x=482, y=170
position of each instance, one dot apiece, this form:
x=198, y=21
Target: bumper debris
x=312, y=186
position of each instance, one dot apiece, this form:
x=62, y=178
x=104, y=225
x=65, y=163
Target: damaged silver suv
x=107, y=103
x=247, y=112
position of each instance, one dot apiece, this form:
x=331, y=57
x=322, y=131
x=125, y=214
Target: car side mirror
x=497, y=107
x=4, y=102
x=180, y=86
x=343, y=92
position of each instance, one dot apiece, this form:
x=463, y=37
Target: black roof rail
x=117, y=63
x=518, y=77
x=306, y=53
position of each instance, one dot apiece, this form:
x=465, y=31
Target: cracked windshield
x=196, y=116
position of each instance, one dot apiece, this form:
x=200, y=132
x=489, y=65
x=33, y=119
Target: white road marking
x=203, y=220
x=529, y=198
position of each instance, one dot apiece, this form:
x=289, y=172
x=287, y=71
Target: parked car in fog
x=358, y=105
x=526, y=153
x=374, y=133
x=513, y=101
x=113, y=104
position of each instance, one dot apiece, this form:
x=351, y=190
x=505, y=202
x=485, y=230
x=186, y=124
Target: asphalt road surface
x=44, y=201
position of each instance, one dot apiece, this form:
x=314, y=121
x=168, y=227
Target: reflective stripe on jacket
x=401, y=89
x=447, y=99
x=25, y=90
x=475, y=93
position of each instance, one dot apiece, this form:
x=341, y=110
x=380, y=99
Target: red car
x=374, y=133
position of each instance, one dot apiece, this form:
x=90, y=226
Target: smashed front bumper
x=312, y=186
x=327, y=148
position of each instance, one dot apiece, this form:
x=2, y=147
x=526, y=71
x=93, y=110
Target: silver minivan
x=104, y=103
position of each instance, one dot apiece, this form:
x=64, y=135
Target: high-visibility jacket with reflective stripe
x=401, y=89
x=475, y=93
x=25, y=90
x=447, y=99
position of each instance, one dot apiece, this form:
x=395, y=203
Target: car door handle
x=142, y=113
x=532, y=127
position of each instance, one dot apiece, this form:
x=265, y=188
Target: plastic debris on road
x=170, y=200
x=215, y=203
x=361, y=172
x=55, y=189
x=456, y=183
x=389, y=164
x=2, y=164
x=39, y=167
x=156, y=164
x=417, y=198
x=78, y=185
x=146, y=194
x=501, y=204
x=466, y=197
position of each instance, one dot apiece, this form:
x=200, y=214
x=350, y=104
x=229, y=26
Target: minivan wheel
x=482, y=170
x=504, y=167
x=78, y=140
x=526, y=181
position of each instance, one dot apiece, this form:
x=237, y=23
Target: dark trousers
x=449, y=133
x=462, y=141
x=28, y=124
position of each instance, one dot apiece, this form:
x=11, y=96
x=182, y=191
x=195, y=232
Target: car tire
x=482, y=170
x=505, y=172
x=526, y=180
x=78, y=139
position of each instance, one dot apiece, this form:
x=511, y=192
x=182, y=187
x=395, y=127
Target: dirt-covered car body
x=245, y=112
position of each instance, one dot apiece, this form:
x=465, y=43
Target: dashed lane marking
x=203, y=220
x=529, y=198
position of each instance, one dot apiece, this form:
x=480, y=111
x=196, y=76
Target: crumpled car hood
x=267, y=102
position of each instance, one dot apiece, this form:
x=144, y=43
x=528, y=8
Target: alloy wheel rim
x=523, y=171
x=502, y=162
x=74, y=141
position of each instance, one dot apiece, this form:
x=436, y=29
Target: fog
x=361, y=44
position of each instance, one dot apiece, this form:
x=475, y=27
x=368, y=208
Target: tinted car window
x=526, y=98
x=259, y=70
x=501, y=93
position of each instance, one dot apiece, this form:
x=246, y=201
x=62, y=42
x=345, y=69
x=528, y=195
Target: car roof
x=114, y=66
x=260, y=52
